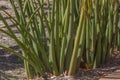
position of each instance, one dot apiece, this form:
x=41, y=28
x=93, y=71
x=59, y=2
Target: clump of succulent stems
x=66, y=34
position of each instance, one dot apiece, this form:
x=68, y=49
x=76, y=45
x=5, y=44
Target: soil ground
x=11, y=67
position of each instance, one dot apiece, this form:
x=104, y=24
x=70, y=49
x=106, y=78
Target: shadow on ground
x=11, y=66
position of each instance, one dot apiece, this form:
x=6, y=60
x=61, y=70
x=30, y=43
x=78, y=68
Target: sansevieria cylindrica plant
x=58, y=36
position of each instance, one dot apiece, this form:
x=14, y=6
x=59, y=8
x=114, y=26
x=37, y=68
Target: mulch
x=12, y=66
